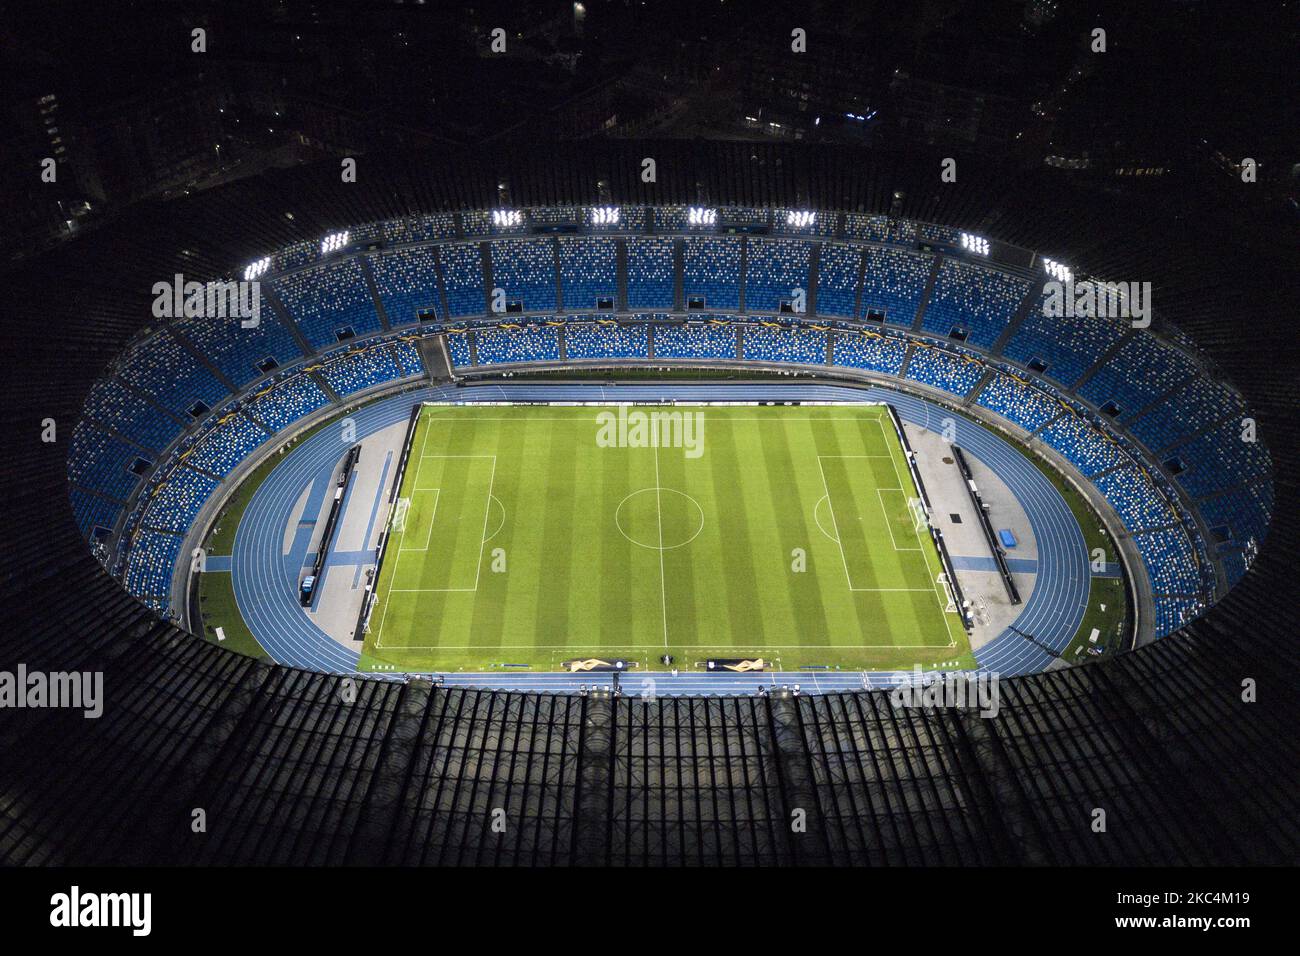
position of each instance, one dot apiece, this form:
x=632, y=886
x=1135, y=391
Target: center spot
x=652, y=515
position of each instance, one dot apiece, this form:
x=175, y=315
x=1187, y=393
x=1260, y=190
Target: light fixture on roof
x=1058, y=271
x=700, y=216
x=255, y=269
x=334, y=242
x=604, y=216
x=507, y=217
x=800, y=218
x=975, y=244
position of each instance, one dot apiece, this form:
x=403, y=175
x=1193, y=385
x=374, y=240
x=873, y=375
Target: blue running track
x=265, y=580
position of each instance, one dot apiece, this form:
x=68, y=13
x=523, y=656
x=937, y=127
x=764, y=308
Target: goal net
x=400, y=509
x=946, y=586
x=920, y=517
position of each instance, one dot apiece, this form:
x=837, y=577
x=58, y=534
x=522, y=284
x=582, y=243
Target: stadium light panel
x=1058, y=271
x=334, y=242
x=975, y=244
x=800, y=218
x=255, y=269
x=507, y=217
x=604, y=216
x=700, y=216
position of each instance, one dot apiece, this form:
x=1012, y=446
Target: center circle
x=660, y=519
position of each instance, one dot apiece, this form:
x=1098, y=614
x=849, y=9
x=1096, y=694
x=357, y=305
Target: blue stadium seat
x=328, y=301
x=1066, y=347
x=893, y=282
x=788, y=344
x=1017, y=402
x=695, y=341
x=280, y=406
x=876, y=353
x=1083, y=444
x=589, y=340
x=458, y=348
x=175, y=503
x=525, y=344
x=871, y=228
x=1220, y=459
x=1170, y=561
x=979, y=301
x=1133, y=495
x=588, y=272
x=1173, y=612
x=239, y=352
x=420, y=228
x=711, y=271
x=92, y=512
x=525, y=270
x=351, y=372
x=98, y=461
x=226, y=444
x=774, y=268
x=1139, y=371
x=1242, y=515
x=407, y=282
x=150, y=562
x=408, y=356
x=111, y=404
x=941, y=369
x=837, y=280
x=166, y=371
x=649, y=273
x=462, y=277
x=1196, y=406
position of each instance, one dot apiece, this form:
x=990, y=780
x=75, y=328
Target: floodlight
x=334, y=242
x=1058, y=271
x=255, y=269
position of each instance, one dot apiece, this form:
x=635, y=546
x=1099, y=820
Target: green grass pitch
x=535, y=534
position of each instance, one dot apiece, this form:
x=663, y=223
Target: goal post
x=946, y=586
x=920, y=517
x=400, y=508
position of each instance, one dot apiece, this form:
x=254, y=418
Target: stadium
x=511, y=478
x=921, y=321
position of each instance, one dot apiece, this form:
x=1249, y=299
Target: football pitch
x=525, y=536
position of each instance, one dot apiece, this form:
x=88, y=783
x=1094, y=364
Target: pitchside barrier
x=336, y=508
x=955, y=597
x=368, y=600
x=999, y=556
